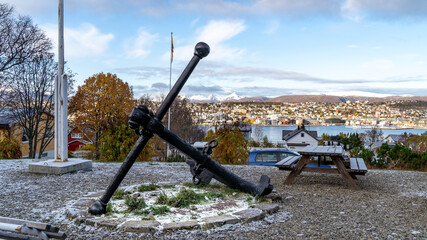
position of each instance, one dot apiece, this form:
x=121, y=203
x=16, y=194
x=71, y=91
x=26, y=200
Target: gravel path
x=391, y=204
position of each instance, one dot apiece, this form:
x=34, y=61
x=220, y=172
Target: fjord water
x=275, y=133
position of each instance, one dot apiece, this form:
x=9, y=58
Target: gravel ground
x=391, y=204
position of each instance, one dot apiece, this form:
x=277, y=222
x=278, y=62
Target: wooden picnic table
x=330, y=159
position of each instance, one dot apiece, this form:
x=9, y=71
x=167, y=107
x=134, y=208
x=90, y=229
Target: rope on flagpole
x=170, y=86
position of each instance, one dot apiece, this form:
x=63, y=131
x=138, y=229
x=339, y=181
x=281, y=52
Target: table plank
x=281, y=162
x=288, y=161
x=339, y=150
x=362, y=165
x=353, y=164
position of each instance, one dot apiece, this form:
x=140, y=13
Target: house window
x=302, y=134
x=24, y=136
x=76, y=135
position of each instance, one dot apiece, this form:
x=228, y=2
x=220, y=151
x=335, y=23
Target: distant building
x=334, y=121
x=10, y=128
x=393, y=138
x=77, y=139
x=299, y=138
x=246, y=130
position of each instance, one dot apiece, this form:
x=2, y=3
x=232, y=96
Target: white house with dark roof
x=393, y=138
x=299, y=138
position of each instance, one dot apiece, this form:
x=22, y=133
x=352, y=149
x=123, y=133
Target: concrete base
x=52, y=167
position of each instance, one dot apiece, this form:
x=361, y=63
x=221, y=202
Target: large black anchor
x=146, y=124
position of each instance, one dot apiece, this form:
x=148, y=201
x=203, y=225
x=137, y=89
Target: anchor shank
x=226, y=176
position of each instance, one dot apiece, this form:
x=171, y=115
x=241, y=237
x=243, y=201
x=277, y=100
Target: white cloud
x=84, y=41
x=42, y=7
x=297, y=8
x=379, y=64
x=388, y=9
x=140, y=46
x=26, y=7
x=355, y=93
x=215, y=34
x=231, y=8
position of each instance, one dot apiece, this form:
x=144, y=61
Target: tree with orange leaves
x=102, y=102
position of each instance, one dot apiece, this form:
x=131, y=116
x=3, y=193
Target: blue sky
x=258, y=47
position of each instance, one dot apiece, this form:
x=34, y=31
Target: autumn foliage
x=116, y=143
x=232, y=146
x=102, y=102
x=10, y=149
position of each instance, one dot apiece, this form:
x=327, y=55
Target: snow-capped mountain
x=233, y=96
x=214, y=98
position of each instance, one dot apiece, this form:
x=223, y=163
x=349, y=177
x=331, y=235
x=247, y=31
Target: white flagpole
x=61, y=125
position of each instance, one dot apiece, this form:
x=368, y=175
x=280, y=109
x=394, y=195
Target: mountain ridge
x=317, y=98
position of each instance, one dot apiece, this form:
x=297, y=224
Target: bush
x=176, y=157
x=382, y=156
x=232, y=146
x=368, y=156
x=10, y=149
x=88, y=147
x=116, y=143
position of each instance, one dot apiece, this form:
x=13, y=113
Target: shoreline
x=347, y=126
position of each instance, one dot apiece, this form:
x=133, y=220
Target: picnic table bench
x=330, y=159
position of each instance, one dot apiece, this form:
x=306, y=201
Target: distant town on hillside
x=390, y=112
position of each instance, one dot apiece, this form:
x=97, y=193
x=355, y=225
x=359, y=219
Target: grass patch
x=185, y=198
x=202, y=185
x=231, y=191
x=146, y=188
x=162, y=199
x=109, y=207
x=261, y=199
x=211, y=195
x=135, y=203
x=156, y=210
x=120, y=194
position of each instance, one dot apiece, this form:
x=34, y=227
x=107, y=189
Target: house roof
x=378, y=144
x=6, y=117
x=80, y=140
x=395, y=137
x=288, y=134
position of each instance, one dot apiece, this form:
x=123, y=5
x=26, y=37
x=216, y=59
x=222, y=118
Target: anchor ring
x=196, y=180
